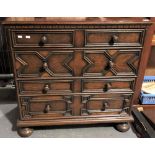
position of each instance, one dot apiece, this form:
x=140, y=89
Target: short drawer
x=45, y=107
x=43, y=63
x=108, y=85
x=106, y=104
x=45, y=86
x=42, y=38
x=114, y=37
x=112, y=62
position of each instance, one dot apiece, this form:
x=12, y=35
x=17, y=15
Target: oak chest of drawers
x=77, y=72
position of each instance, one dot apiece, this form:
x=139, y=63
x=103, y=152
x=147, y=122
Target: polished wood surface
x=153, y=40
x=77, y=70
x=148, y=110
x=150, y=70
x=150, y=114
x=62, y=20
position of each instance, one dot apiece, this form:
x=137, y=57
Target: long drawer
x=67, y=86
x=54, y=106
x=69, y=63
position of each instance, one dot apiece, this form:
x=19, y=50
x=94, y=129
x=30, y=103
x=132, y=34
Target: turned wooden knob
x=44, y=39
x=104, y=106
x=109, y=65
x=126, y=101
x=47, y=108
x=107, y=86
x=46, y=88
x=45, y=65
x=113, y=39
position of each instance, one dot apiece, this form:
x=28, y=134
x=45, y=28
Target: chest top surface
x=72, y=20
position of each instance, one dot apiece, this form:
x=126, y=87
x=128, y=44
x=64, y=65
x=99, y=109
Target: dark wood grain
x=150, y=114
x=77, y=70
x=73, y=20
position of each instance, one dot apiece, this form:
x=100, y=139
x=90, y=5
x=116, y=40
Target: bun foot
x=25, y=132
x=123, y=127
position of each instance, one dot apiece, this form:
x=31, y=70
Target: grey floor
x=8, y=117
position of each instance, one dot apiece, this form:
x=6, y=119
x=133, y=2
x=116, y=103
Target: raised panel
x=33, y=38
x=109, y=63
x=105, y=63
x=45, y=86
x=101, y=104
x=97, y=62
x=43, y=63
x=108, y=85
x=114, y=37
x=45, y=107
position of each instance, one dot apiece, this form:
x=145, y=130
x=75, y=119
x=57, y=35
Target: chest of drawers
x=77, y=72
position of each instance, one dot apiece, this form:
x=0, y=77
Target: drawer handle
x=47, y=108
x=43, y=40
x=104, y=106
x=125, y=106
x=44, y=66
x=113, y=39
x=46, y=89
x=126, y=101
x=107, y=86
x=109, y=65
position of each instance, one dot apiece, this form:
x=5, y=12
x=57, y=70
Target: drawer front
x=42, y=38
x=61, y=106
x=114, y=37
x=45, y=86
x=66, y=38
x=106, y=104
x=107, y=85
x=111, y=62
x=43, y=63
x=45, y=107
x=54, y=63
